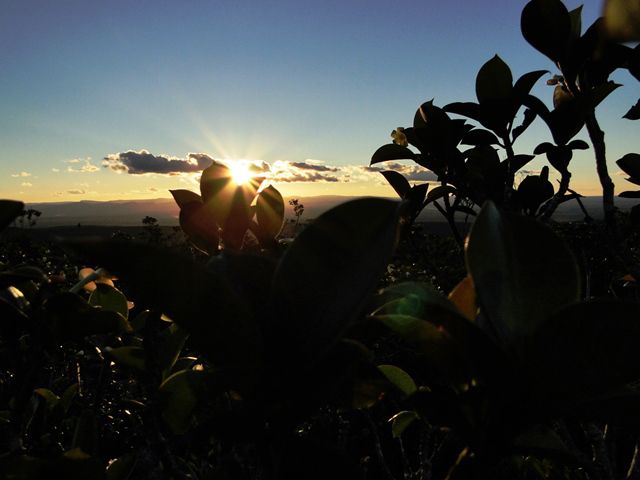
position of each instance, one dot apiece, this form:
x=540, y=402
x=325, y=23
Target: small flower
x=399, y=138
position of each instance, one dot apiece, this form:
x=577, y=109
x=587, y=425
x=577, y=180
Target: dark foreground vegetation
x=364, y=347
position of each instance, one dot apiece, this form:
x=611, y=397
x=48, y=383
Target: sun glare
x=240, y=172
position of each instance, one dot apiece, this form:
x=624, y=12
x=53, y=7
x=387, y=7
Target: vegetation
x=364, y=348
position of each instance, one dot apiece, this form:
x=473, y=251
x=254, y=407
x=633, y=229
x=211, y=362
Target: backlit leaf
x=398, y=182
x=270, y=211
x=109, y=298
x=522, y=272
x=344, y=250
x=392, y=151
x=401, y=420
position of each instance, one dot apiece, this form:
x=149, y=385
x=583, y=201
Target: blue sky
x=286, y=81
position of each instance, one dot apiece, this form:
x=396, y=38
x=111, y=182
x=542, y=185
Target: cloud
x=21, y=174
x=86, y=167
x=55, y=170
x=26, y=184
x=76, y=192
x=139, y=163
x=312, y=166
x=153, y=189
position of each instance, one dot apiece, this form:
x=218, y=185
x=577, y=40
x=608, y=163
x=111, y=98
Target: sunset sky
x=121, y=99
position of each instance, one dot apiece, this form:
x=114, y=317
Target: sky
x=95, y=94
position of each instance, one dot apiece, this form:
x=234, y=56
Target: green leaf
x=392, y=151
x=522, y=272
x=345, y=250
x=133, y=358
x=398, y=377
x=630, y=164
x=180, y=394
x=199, y=300
x=270, y=211
x=546, y=25
x=121, y=468
x=585, y=349
x=398, y=182
x=199, y=223
x=110, y=299
x=576, y=22
x=48, y=396
x=9, y=210
x=494, y=82
x=213, y=182
x=183, y=197
x=170, y=343
x=401, y=420
x=622, y=19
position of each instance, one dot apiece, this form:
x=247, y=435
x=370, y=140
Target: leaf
x=630, y=164
x=522, y=273
x=171, y=341
x=345, y=250
x=546, y=25
x=463, y=296
x=200, y=301
x=494, y=82
x=50, y=398
x=183, y=197
x=584, y=349
x=110, y=299
x=578, y=145
x=399, y=378
x=520, y=160
x=439, y=192
x=133, y=358
x=479, y=136
x=466, y=109
x=392, y=151
x=525, y=83
x=622, y=19
x=576, y=23
x=529, y=117
x=179, y=397
x=401, y=421
x=213, y=182
x=398, y=182
x=9, y=210
x=630, y=194
x=121, y=468
x=71, y=318
x=416, y=196
x=270, y=211
x=634, y=112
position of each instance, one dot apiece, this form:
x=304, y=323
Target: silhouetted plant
x=224, y=212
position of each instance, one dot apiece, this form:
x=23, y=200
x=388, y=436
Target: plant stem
x=597, y=139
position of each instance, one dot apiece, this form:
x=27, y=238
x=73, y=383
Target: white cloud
x=26, y=184
x=21, y=174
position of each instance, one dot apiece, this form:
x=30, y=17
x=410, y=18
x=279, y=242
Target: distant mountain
x=131, y=212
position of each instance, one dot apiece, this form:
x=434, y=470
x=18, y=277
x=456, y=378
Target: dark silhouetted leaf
x=546, y=25
x=392, y=151
x=494, y=82
x=529, y=117
x=520, y=160
x=466, y=109
x=398, y=182
x=630, y=194
x=578, y=145
x=439, y=192
x=630, y=164
x=480, y=137
x=522, y=273
x=183, y=197
x=634, y=112
x=345, y=250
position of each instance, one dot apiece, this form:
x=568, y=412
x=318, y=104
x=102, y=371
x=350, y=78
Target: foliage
x=469, y=177
x=224, y=212
x=512, y=350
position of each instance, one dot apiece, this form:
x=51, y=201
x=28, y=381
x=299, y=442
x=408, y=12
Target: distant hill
x=131, y=212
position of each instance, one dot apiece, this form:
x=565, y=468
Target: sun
x=240, y=172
